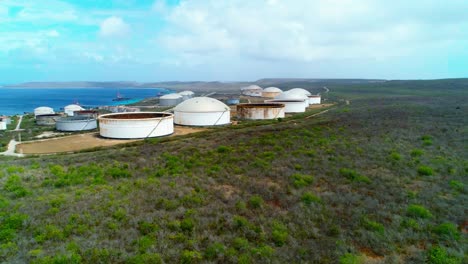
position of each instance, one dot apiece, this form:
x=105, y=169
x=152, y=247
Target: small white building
x=315, y=99
x=3, y=125
x=70, y=109
x=43, y=110
x=202, y=111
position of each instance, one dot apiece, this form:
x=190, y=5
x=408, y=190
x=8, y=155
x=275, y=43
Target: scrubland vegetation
x=359, y=184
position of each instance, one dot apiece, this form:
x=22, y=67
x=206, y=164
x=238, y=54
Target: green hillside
x=380, y=178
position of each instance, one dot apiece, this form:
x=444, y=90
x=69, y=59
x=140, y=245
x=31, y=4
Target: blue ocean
x=19, y=100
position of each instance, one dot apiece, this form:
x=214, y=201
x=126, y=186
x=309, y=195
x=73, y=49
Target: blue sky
x=156, y=40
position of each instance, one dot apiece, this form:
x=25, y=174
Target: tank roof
x=291, y=96
x=186, y=93
x=252, y=87
x=272, y=90
x=299, y=91
x=73, y=106
x=202, y=104
x=171, y=96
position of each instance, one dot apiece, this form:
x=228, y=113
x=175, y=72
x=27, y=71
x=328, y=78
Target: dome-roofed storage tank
x=293, y=102
x=202, y=111
x=136, y=125
x=315, y=99
x=186, y=95
x=87, y=113
x=170, y=99
x=76, y=123
x=260, y=111
x=43, y=110
x=70, y=109
x=271, y=92
x=252, y=90
x=232, y=101
x=47, y=120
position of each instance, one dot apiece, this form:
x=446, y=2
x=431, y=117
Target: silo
x=186, y=95
x=43, y=110
x=170, y=99
x=70, y=109
x=271, y=92
x=76, y=123
x=136, y=125
x=202, y=111
x=47, y=120
x=260, y=111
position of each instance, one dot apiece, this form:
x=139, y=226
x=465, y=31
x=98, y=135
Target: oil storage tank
x=70, y=109
x=186, y=95
x=293, y=102
x=43, y=110
x=76, y=123
x=87, y=113
x=136, y=125
x=315, y=99
x=252, y=90
x=202, y=111
x=47, y=120
x=271, y=92
x=170, y=99
x=260, y=111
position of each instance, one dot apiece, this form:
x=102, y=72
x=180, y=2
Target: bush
x=353, y=176
x=256, y=201
x=152, y=258
x=187, y=225
x=309, y=198
x=302, y=180
x=416, y=153
x=279, y=234
x=349, y=258
x=438, y=255
x=215, y=250
x=418, y=211
x=191, y=256
x=373, y=226
x=15, y=186
x=447, y=231
x=395, y=156
x=456, y=185
x=425, y=171
x=240, y=243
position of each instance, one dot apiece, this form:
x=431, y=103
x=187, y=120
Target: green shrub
x=456, y=185
x=15, y=186
x=60, y=259
x=309, y=198
x=187, y=224
x=263, y=251
x=144, y=243
x=425, y=171
x=146, y=228
x=214, y=250
x=418, y=211
x=7, y=234
x=349, y=258
x=416, y=153
x=353, y=176
x=373, y=226
x=447, y=231
x=427, y=140
x=224, y=149
x=240, y=243
x=256, y=201
x=240, y=221
x=302, y=180
x=438, y=255
x=145, y=258
x=395, y=156
x=191, y=256
x=279, y=234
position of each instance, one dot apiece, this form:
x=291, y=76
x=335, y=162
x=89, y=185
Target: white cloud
x=52, y=33
x=114, y=27
x=306, y=31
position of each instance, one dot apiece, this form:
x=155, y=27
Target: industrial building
x=43, y=110
x=202, y=111
x=271, y=92
x=170, y=99
x=76, y=123
x=315, y=99
x=252, y=90
x=70, y=109
x=3, y=125
x=260, y=111
x=136, y=125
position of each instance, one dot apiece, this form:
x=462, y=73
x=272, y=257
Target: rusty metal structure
x=87, y=113
x=47, y=120
x=136, y=125
x=271, y=92
x=260, y=111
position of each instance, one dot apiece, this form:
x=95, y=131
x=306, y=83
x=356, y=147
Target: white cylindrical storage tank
x=293, y=102
x=75, y=123
x=202, y=111
x=43, y=110
x=260, y=111
x=70, y=109
x=136, y=125
x=271, y=92
x=47, y=120
x=170, y=99
x=186, y=95
x=252, y=90
x=315, y=99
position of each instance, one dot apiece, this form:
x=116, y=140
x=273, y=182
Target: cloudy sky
x=148, y=40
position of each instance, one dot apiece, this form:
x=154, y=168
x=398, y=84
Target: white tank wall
x=76, y=125
x=291, y=107
x=169, y=102
x=43, y=111
x=314, y=100
x=3, y=125
x=136, y=128
x=202, y=119
x=260, y=113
